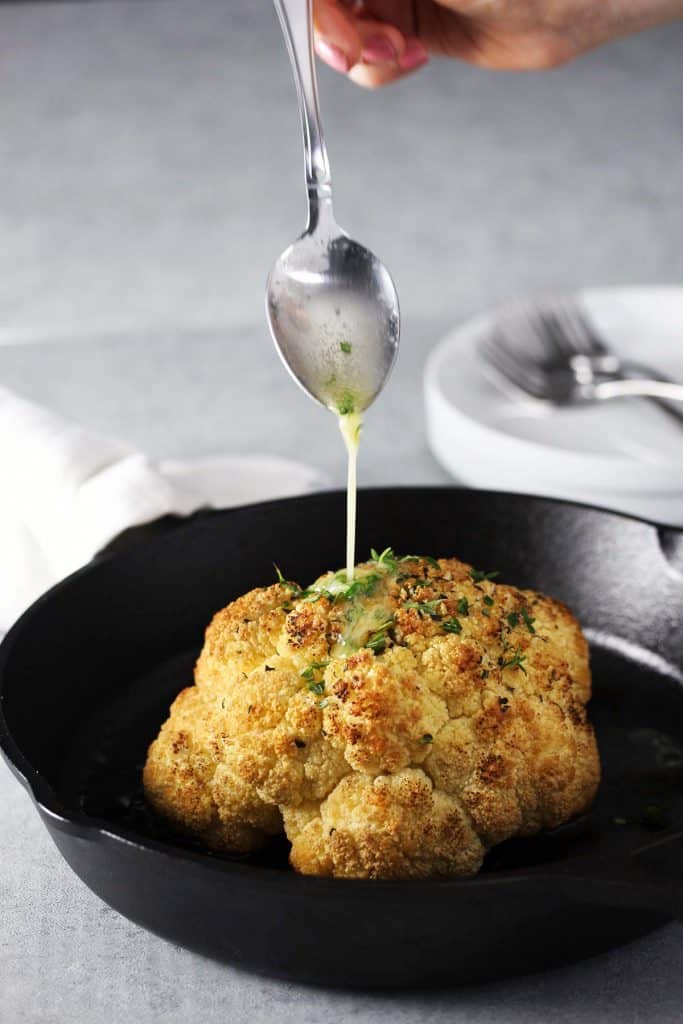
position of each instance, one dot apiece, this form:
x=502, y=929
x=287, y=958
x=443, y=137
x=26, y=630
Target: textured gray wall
x=150, y=169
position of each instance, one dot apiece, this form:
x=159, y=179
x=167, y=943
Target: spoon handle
x=296, y=18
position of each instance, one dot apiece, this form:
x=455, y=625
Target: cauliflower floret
x=396, y=727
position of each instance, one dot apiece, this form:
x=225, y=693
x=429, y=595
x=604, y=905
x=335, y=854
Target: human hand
x=378, y=41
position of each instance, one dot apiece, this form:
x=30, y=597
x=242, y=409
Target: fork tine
x=522, y=374
x=579, y=330
x=555, y=332
x=526, y=335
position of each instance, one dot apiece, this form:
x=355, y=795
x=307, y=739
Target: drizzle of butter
x=362, y=614
x=351, y=425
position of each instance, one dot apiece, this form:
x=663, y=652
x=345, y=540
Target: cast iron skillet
x=88, y=673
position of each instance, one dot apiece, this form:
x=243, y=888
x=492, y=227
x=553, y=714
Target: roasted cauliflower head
x=395, y=726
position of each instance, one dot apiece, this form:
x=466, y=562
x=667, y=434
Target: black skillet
x=88, y=673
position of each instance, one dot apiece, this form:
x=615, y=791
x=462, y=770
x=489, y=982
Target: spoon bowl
x=331, y=304
x=334, y=316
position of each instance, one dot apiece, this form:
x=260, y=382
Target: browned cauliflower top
x=396, y=726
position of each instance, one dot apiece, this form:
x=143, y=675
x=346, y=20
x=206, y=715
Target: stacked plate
x=625, y=454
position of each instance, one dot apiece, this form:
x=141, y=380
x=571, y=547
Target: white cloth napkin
x=66, y=492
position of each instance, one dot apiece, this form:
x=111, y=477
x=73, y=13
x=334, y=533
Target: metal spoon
x=332, y=306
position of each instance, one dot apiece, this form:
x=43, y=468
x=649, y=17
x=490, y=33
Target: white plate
x=625, y=454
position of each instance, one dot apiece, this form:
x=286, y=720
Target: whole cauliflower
x=396, y=726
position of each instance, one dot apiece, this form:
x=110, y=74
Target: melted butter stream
x=365, y=612
x=351, y=426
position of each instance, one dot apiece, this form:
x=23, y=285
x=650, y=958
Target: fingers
x=337, y=39
x=380, y=43
x=371, y=51
x=372, y=76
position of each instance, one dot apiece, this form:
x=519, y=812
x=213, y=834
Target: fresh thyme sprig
x=516, y=661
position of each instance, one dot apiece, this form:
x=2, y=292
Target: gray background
x=149, y=173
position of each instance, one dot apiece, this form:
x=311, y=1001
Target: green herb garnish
x=386, y=558
x=463, y=606
x=528, y=621
x=346, y=405
x=316, y=666
x=429, y=608
x=377, y=641
x=516, y=661
x=346, y=347
x=294, y=587
x=479, y=577
x=452, y=626
x=317, y=688
x=488, y=600
x=513, y=620
x=322, y=704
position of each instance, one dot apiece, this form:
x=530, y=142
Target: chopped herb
x=656, y=818
x=294, y=587
x=516, y=661
x=488, y=601
x=377, y=641
x=463, y=606
x=316, y=666
x=486, y=613
x=423, y=583
x=479, y=577
x=452, y=626
x=485, y=673
x=339, y=590
x=386, y=558
x=528, y=621
x=346, y=405
x=317, y=688
x=300, y=744
x=346, y=347
x=513, y=620
x=427, y=738
x=429, y=608
x=322, y=704
x=360, y=587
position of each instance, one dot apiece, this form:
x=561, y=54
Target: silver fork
x=553, y=353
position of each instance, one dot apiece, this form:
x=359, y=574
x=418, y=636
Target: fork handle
x=663, y=390
x=296, y=19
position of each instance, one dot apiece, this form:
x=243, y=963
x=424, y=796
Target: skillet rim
x=76, y=823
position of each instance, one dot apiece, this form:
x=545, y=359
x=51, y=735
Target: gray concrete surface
x=149, y=172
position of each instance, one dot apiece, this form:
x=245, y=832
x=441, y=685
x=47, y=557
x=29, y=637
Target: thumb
x=337, y=39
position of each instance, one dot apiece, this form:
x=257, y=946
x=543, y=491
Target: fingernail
x=414, y=56
x=378, y=50
x=333, y=56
